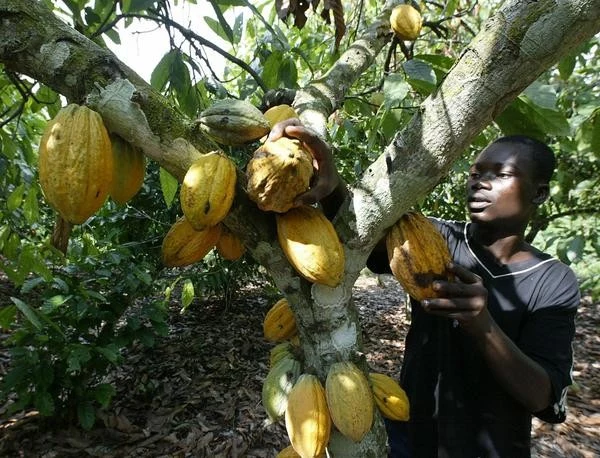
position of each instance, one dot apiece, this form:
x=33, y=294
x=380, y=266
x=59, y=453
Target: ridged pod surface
x=129, y=168
x=307, y=419
x=229, y=245
x=208, y=190
x=75, y=163
x=278, y=172
x=350, y=400
x=282, y=350
x=233, y=122
x=279, y=113
x=311, y=244
x=183, y=245
x=288, y=452
x=406, y=22
x=390, y=398
x=277, y=386
x=418, y=254
x=279, y=323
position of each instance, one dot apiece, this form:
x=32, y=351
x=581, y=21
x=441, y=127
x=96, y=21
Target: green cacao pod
x=277, y=386
x=406, y=22
x=307, y=419
x=418, y=255
x=288, y=452
x=311, y=244
x=75, y=163
x=279, y=323
x=233, y=122
x=350, y=400
x=283, y=350
x=129, y=168
x=208, y=190
x=183, y=245
x=390, y=398
x=278, y=172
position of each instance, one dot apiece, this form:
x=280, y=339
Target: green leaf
x=395, y=90
x=44, y=403
x=566, y=67
x=187, y=294
x=78, y=356
x=588, y=135
x=420, y=75
x=104, y=393
x=8, y=314
x=31, y=209
x=222, y=22
x=110, y=352
x=15, y=198
x=86, y=415
x=542, y=95
x=162, y=72
x=216, y=26
x=29, y=313
x=523, y=116
x=168, y=185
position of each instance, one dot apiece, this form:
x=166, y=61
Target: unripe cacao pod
x=233, y=122
x=129, y=168
x=277, y=386
x=279, y=323
x=350, y=400
x=278, y=172
x=183, y=245
x=208, y=190
x=288, y=452
x=279, y=113
x=311, y=244
x=75, y=163
x=283, y=350
x=307, y=419
x=418, y=255
x=406, y=22
x=390, y=398
x=229, y=245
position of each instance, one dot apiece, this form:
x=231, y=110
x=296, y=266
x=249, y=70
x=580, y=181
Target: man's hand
x=464, y=300
x=326, y=178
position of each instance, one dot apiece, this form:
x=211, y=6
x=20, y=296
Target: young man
x=495, y=348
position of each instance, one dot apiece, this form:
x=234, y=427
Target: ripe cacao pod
x=233, y=122
x=279, y=113
x=229, y=245
x=75, y=163
x=277, y=386
x=278, y=172
x=183, y=245
x=129, y=168
x=390, y=398
x=279, y=323
x=208, y=190
x=307, y=419
x=311, y=244
x=350, y=400
x=406, y=22
x=418, y=254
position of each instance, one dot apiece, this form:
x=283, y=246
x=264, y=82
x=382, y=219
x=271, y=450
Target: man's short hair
x=541, y=154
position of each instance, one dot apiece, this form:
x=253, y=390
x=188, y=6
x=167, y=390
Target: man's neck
x=507, y=246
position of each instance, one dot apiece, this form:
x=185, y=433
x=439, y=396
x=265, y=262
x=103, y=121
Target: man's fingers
x=279, y=129
x=463, y=274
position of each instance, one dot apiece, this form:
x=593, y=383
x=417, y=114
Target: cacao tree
x=514, y=46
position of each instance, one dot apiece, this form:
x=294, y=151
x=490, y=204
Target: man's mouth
x=477, y=202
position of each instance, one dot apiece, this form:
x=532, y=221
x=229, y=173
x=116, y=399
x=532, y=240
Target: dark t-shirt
x=457, y=407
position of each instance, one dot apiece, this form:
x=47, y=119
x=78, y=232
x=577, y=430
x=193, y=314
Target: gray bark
x=515, y=46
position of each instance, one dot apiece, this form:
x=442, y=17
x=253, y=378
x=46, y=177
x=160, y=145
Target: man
x=495, y=347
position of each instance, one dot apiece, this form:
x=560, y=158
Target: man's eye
x=473, y=175
x=504, y=176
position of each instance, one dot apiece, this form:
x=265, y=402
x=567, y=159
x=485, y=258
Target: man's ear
x=542, y=193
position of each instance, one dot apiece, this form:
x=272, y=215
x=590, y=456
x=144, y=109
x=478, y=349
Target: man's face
x=501, y=188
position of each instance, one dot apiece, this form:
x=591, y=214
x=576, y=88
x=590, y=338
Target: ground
x=197, y=392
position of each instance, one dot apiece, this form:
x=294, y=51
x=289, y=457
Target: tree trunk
x=514, y=47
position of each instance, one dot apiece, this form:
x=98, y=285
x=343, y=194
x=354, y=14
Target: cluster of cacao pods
x=80, y=164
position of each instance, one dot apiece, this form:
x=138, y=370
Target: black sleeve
x=378, y=260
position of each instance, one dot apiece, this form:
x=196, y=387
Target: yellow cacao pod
x=350, y=400
x=418, y=254
x=311, y=244
x=283, y=350
x=233, y=122
x=208, y=190
x=278, y=172
x=307, y=419
x=129, y=168
x=183, y=245
x=279, y=323
x=279, y=113
x=229, y=245
x=75, y=163
x=406, y=22
x=277, y=386
x=390, y=398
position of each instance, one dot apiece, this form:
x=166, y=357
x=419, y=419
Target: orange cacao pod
x=279, y=323
x=229, y=245
x=183, y=245
x=390, y=398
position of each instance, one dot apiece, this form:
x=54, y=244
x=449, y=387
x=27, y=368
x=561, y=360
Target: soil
x=196, y=393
